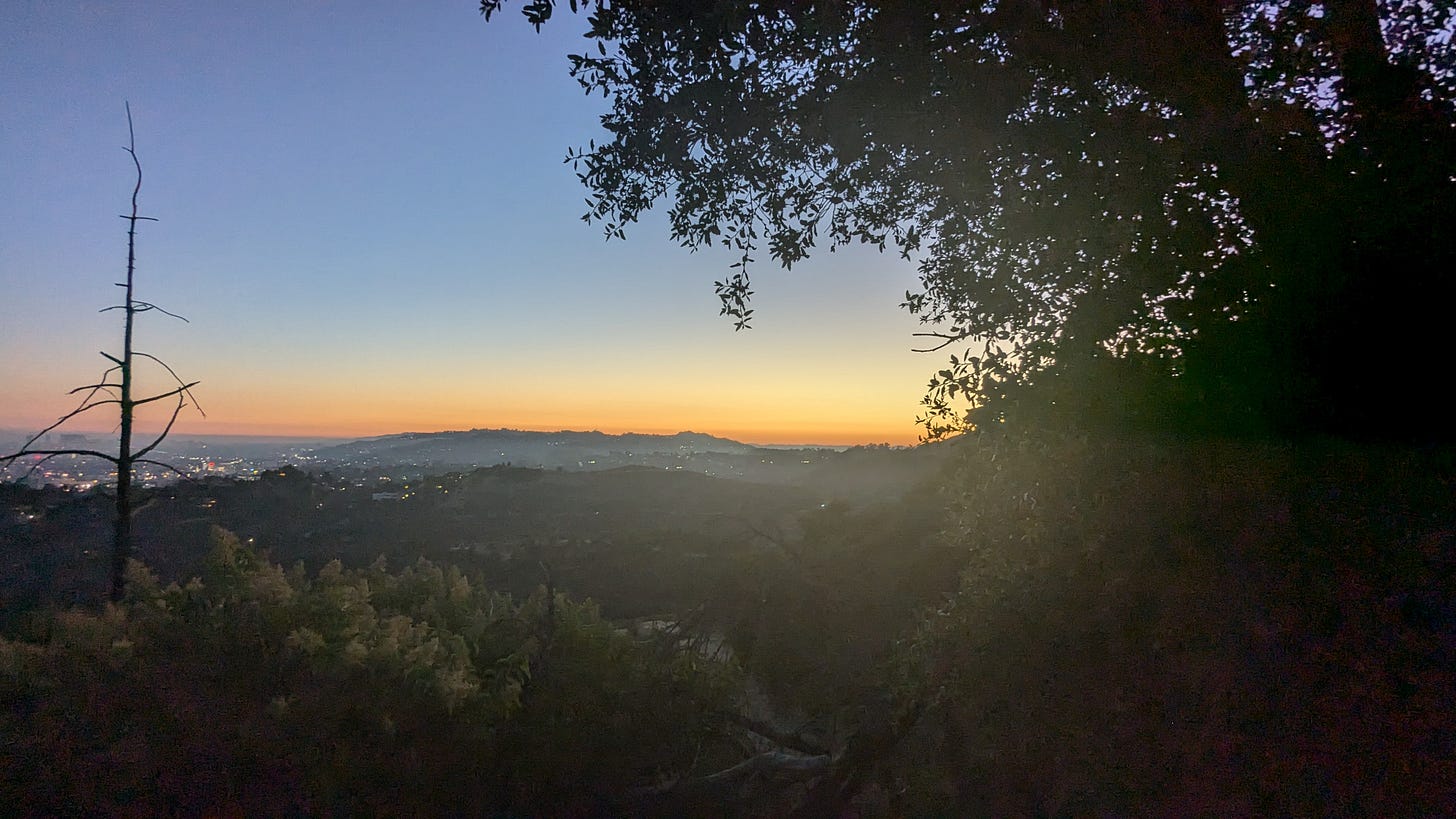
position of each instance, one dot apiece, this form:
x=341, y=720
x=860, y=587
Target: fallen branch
x=780, y=766
x=783, y=739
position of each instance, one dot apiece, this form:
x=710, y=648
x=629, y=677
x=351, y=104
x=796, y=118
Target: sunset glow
x=365, y=216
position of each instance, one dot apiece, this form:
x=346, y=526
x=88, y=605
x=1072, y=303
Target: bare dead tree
x=116, y=385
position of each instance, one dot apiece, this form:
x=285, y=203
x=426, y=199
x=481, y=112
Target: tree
x=1228, y=216
x=120, y=393
x=256, y=690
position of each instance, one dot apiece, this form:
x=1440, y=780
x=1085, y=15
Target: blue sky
x=364, y=212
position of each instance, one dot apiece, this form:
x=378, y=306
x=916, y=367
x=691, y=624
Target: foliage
x=1105, y=626
x=1153, y=626
x=270, y=692
x=814, y=619
x=1227, y=215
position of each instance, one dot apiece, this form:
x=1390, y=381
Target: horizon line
x=336, y=437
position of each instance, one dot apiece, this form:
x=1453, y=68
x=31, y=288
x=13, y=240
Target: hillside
x=506, y=520
x=487, y=447
x=1058, y=625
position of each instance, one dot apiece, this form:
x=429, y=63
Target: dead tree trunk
x=119, y=392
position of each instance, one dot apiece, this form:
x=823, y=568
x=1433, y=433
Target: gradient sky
x=364, y=212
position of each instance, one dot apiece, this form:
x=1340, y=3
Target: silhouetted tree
x=117, y=384
x=1219, y=214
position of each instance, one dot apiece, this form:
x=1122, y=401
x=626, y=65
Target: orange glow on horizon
x=892, y=425
x=755, y=399
x=777, y=436
x=777, y=414
x=773, y=436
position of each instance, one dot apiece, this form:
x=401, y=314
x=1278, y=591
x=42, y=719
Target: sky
x=364, y=214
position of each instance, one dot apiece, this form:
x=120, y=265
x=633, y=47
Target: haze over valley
x=861, y=470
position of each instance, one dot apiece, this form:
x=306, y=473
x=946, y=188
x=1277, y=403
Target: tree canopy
x=1228, y=216
x=254, y=690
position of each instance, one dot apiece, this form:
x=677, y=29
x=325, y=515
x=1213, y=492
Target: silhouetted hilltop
x=873, y=472
x=486, y=447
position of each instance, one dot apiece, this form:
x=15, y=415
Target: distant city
x=401, y=456
x=221, y=456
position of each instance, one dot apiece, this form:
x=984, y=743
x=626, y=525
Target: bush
x=1197, y=628
x=269, y=692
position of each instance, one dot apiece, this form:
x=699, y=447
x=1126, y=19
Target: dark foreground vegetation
x=1078, y=626
x=1219, y=219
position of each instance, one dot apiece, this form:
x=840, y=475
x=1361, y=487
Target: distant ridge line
x=664, y=436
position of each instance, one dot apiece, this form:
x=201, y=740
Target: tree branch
x=146, y=305
x=51, y=453
x=85, y=406
x=139, y=306
x=168, y=394
x=869, y=744
x=181, y=402
x=173, y=373
x=793, y=742
x=183, y=475
x=795, y=766
x=94, y=388
x=777, y=764
x=948, y=339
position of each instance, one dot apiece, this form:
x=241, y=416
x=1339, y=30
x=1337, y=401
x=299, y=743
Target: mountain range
x=567, y=449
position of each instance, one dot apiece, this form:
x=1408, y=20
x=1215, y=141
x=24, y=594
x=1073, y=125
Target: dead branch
x=168, y=394
x=146, y=305
x=95, y=388
x=52, y=453
x=85, y=405
x=793, y=742
x=872, y=742
x=143, y=306
x=778, y=765
x=181, y=403
x=103, y=383
x=179, y=473
x=173, y=373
